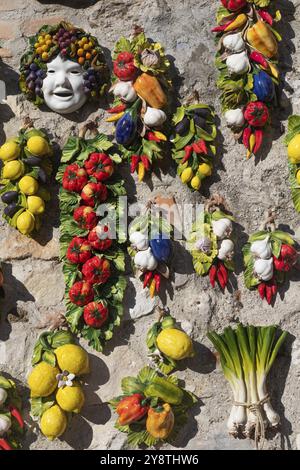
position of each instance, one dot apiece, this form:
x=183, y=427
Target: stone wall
x=33, y=275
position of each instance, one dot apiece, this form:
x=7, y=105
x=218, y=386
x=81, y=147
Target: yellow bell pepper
x=262, y=39
x=149, y=88
x=159, y=424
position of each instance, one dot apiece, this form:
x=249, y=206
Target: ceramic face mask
x=63, y=86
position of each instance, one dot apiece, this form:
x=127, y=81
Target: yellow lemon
x=9, y=151
x=70, y=398
x=35, y=205
x=298, y=177
x=175, y=343
x=28, y=185
x=42, y=380
x=13, y=170
x=204, y=169
x=294, y=149
x=25, y=223
x=73, y=358
x=53, y=422
x=196, y=182
x=38, y=146
x=187, y=175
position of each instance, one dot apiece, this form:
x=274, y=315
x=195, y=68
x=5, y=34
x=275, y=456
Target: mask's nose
x=61, y=80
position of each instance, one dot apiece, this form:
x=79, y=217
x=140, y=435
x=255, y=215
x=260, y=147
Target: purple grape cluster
x=34, y=79
x=90, y=80
x=64, y=39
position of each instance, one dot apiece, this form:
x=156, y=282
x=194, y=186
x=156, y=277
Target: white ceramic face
x=63, y=86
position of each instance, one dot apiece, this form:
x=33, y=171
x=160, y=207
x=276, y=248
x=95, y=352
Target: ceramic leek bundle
x=151, y=409
x=25, y=175
x=247, y=354
x=55, y=381
x=91, y=247
x=11, y=420
x=247, y=59
x=140, y=109
x=292, y=140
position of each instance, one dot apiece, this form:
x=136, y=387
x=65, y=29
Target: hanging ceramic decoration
x=193, y=143
x=11, y=421
x=2, y=89
x=25, y=174
x=2, y=294
x=152, y=409
x=247, y=354
x=247, y=60
x=63, y=68
x=269, y=255
x=211, y=244
x=94, y=261
x=168, y=343
x=151, y=248
x=141, y=86
x=292, y=140
x=55, y=381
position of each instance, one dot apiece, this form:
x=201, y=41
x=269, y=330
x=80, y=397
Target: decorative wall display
x=152, y=409
x=210, y=242
x=269, y=255
x=247, y=354
x=292, y=140
x=141, y=87
x=2, y=293
x=25, y=175
x=94, y=261
x=193, y=143
x=63, y=67
x=11, y=420
x=247, y=59
x=55, y=381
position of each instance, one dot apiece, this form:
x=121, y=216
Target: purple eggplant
x=11, y=209
x=10, y=196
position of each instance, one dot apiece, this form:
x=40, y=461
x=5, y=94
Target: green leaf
x=293, y=128
x=93, y=338
x=39, y=405
x=37, y=353
x=276, y=246
x=222, y=13
x=283, y=236
x=295, y=187
x=122, y=45
x=179, y=115
x=5, y=383
x=146, y=375
x=73, y=316
x=49, y=357
x=261, y=235
x=131, y=385
x=218, y=214
x=250, y=280
x=71, y=148
x=100, y=143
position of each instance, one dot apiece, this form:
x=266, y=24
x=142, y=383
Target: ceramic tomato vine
x=141, y=87
x=11, y=421
x=247, y=59
x=94, y=261
x=292, y=141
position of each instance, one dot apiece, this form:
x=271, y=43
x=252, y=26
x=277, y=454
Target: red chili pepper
x=246, y=136
x=134, y=163
x=5, y=445
x=269, y=294
x=274, y=288
x=117, y=109
x=262, y=290
x=188, y=152
x=152, y=136
x=147, y=278
x=200, y=146
x=224, y=272
x=146, y=162
x=258, y=140
x=17, y=415
x=266, y=16
x=157, y=279
x=217, y=29
x=259, y=59
x=221, y=279
x=213, y=275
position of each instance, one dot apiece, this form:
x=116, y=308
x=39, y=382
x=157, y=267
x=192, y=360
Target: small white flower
x=65, y=379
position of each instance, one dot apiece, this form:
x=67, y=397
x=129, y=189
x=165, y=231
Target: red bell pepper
x=131, y=409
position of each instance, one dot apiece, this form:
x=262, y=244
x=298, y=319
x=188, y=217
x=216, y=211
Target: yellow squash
x=148, y=88
x=160, y=423
x=262, y=39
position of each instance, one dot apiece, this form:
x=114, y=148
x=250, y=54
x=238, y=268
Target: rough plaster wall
x=33, y=276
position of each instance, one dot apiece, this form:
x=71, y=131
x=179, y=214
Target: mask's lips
x=63, y=93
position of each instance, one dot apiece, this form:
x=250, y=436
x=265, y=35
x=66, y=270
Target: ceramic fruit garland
x=247, y=60
x=193, y=143
x=141, y=87
x=11, y=420
x=210, y=243
x=151, y=249
x=168, y=343
x=152, y=409
x=268, y=256
x=94, y=261
x=55, y=381
x=247, y=354
x=25, y=175
x=292, y=140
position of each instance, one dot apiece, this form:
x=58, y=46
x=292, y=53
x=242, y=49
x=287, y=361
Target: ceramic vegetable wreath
x=211, y=244
x=55, y=381
x=141, y=87
x=151, y=249
x=152, y=409
x=292, y=140
x=63, y=67
x=247, y=60
x=193, y=143
x=94, y=261
x=11, y=421
x=269, y=255
x=168, y=343
x=25, y=175
x=2, y=293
